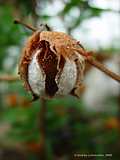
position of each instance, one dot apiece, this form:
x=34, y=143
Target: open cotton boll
x=49, y=67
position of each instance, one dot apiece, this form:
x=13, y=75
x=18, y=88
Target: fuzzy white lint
x=66, y=83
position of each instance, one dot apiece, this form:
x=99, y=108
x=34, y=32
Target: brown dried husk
x=60, y=43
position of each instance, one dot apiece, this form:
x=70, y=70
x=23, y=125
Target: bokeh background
x=64, y=128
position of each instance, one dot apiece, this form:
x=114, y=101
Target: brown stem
x=9, y=78
x=101, y=67
x=98, y=65
x=24, y=24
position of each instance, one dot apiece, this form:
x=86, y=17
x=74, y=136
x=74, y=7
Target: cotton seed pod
x=50, y=67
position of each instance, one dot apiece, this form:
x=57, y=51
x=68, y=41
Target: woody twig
x=26, y=25
x=91, y=60
x=8, y=78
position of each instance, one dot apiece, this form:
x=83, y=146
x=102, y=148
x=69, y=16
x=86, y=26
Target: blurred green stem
x=42, y=128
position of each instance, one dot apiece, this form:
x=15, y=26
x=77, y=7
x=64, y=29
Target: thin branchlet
x=8, y=78
x=91, y=60
x=26, y=25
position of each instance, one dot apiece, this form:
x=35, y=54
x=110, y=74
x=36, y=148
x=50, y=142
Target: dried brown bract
x=50, y=67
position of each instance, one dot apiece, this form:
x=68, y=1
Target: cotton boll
x=49, y=67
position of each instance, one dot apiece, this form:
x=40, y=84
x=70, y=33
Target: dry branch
x=101, y=67
x=8, y=78
x=91, y=60
x=26, y=25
